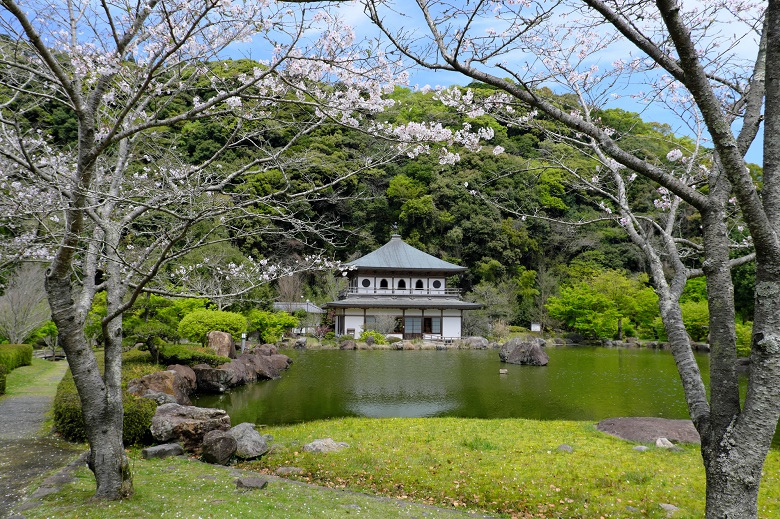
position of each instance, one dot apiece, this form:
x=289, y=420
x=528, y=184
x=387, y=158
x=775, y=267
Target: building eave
x=405, y=303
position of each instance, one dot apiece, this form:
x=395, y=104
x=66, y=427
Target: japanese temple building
x=405, y=287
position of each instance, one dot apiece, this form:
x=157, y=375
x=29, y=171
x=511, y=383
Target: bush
x=378, y=337
x=14, y=355
x=3, y=375
x=189, y=355
x=196, y=325
x=69, y=422
x=271, y=325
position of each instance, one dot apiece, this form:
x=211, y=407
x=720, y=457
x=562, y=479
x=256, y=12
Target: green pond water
x=580, y=383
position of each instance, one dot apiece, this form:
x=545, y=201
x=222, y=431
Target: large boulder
x=518, y=351
x=249, y=443
x=187, y=425
x=265, y=349
x=163, y=387
x=260, y=366
x=218, y=447
x=238, y=373
x=222, y=344
x=280, y=362
x=187, y=374
x=211, y=380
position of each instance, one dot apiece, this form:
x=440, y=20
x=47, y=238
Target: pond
x=580, y=383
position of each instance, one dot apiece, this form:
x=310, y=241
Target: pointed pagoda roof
x=399, y=255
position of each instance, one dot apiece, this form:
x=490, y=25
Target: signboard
x=536, y=327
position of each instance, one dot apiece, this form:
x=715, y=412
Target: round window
x=366, y=283
x=437, y=284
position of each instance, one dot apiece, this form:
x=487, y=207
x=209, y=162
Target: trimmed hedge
x=14, y=355
x=189, y=355
x=69, y=421
x=3, y=375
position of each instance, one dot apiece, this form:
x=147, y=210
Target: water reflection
x=580, y=383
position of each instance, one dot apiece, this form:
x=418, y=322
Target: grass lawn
x=38, y=379
x=507, y=468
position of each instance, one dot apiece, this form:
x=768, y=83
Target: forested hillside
x=519, y=213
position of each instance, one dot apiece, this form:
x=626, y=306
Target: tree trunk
x=101, y=404
x=733, y=478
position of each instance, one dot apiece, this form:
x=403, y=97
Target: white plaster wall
x=354, y=321
x=450, y=327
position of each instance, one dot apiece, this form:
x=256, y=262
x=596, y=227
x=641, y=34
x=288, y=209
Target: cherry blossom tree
x=23, y=307
x=709, y=65
x=97, y=101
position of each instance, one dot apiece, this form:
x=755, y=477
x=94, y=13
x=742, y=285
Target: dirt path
x=26, y=454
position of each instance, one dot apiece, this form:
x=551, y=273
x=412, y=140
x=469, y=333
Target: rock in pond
x=518, y=351
x=212, y=380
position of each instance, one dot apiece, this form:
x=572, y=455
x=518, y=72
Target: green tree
x=597, y=306
x=270, y=325
x=196, y=325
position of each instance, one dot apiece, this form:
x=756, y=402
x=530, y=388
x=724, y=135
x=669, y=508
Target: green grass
x=39, y=379
x=507, y=467
x=181, y=488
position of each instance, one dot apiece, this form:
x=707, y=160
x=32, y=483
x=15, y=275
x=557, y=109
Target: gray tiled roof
x=396, y=254
x=310, y=308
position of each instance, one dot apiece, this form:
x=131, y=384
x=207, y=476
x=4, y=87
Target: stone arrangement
x=200, y=431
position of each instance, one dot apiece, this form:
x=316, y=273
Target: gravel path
x=26, y=456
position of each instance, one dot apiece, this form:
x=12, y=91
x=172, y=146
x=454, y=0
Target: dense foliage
x=197, y=325
x=270, y=326
x=189, y=355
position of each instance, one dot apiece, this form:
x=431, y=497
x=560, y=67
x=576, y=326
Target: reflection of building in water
x=400, y=290
x=401, y=384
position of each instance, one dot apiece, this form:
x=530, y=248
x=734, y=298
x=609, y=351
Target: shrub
x=3, y=375
x=189, y=355
x=378, y=337
x=196, y=325
x=14, y=355
x=136, y=364
x=69, y=422
x=271, y=325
